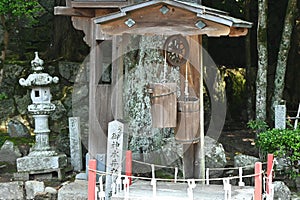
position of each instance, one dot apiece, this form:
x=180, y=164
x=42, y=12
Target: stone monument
x=280, y=115
x=116, y=146
x=41, y=159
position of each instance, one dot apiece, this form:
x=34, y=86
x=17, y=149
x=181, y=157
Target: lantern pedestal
x=33, y=163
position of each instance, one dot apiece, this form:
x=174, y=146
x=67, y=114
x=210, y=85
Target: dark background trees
x=56, y=39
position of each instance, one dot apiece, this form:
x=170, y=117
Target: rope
x=214, y=169
x=150, y=164
x=178, y=180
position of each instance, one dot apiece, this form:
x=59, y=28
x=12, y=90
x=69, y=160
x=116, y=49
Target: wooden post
x=188, y=161
x=199, y=171
x=269, y=172
x=258, y=181
x=117, y=77
x=92, y=179
x=128, y=166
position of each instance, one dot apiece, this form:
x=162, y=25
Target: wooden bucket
x=163, y=104
x=188, y=118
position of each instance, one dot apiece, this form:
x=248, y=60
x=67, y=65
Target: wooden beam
x=236, y=31
x=68, y=11
x=151, y=21
x=84, y=24
x=99, y=4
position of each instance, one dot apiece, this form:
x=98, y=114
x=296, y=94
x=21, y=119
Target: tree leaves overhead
x=12, y=11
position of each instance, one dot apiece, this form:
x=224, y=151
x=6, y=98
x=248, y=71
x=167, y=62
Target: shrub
x=257, y=125
x=283, y=144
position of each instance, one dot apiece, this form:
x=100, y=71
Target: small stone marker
x=75, y=143
x=280, y=116
x=115, y=144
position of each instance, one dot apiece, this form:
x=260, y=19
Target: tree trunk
x=5, y=39
x=283, y=53
x=250, y=73
x=261, y=78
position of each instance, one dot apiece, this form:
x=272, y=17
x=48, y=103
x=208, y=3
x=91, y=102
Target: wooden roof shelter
x=109, y=20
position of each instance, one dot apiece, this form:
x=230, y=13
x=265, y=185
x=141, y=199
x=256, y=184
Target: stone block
x=30, y=163
x=51, y=190
x=12, y=190
x=21, y=176
x=32, y=188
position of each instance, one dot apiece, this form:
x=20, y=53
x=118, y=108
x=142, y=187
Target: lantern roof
x=171, y=17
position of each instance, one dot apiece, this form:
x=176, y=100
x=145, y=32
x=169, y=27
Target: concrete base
x=30, y=163
x=143, y=190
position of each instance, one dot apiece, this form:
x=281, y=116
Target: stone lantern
x=41, y=159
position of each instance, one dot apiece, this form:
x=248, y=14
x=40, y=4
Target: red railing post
x=128, y=166
x=92, y=179
x=269, y=172
x=258, y=181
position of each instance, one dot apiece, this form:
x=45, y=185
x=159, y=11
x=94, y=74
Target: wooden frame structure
x=109, y=20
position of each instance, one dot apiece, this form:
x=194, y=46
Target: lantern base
x=34, y=163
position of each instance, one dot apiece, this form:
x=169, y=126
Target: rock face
x=281, y=191
x=214, y=155
x=12, y=190
x=15, y=128
x=9, y=153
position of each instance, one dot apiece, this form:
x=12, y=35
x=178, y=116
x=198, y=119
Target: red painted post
x=269, y=172
x=258, y=181
x=128, y=166
x=92, y=179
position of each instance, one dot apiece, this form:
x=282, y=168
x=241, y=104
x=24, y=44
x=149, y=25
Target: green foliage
x=16, y=140
x=12, y=11
x=283, y=144
x=257, y=125
x=3, y=96
x=3, y=138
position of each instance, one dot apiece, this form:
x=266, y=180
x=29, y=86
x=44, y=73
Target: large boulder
x=15, y=128
x=246, y=161
x=75, y=190
x=169, y=155
x=9, y=153
x=214, y=156
x=11, y=190
x=281, y=191
x=49, y=193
